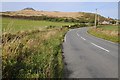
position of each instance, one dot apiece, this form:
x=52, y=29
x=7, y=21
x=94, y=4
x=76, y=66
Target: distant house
x=105, y=22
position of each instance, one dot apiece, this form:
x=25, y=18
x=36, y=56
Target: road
x=87, y=56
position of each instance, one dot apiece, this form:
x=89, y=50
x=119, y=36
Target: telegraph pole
x=95, y=19
x=117, y=22
x=98, y=19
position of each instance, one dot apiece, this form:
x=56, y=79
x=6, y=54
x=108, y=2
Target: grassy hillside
x=81, y=17
x=41, y=13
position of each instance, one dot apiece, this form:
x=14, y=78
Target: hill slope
x=27, y=12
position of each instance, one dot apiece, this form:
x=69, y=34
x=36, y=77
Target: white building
x=105, y=22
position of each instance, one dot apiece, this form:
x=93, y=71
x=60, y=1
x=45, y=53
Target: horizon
x=106, y=9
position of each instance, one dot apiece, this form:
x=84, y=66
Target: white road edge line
x=65, y=38
x=83, y=38
x=100, y=47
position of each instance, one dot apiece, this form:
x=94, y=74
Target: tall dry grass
x=33, y=54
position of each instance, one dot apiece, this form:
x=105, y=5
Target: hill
x=29, y=9
x=49, y=15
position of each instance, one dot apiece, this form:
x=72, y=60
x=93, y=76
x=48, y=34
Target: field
x=108, y=32
x=14, y=25
x=29, y=50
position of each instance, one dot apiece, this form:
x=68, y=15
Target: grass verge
x=104, y=34
x=108, y=27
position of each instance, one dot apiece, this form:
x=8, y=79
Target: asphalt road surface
x=87, y=56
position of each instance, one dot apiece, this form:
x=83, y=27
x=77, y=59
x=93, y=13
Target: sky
x=107, y=9
x=59, y=0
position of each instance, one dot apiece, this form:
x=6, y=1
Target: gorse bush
x=37, y=54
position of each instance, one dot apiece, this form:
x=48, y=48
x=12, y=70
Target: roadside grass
x=110, y=33
x=13, y=25
x=109, y=27
x=37, y=54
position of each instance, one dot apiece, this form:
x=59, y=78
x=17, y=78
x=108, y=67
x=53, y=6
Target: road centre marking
x=77, y=34
x=95, y=44
x=100, y=47
x=83, y=38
